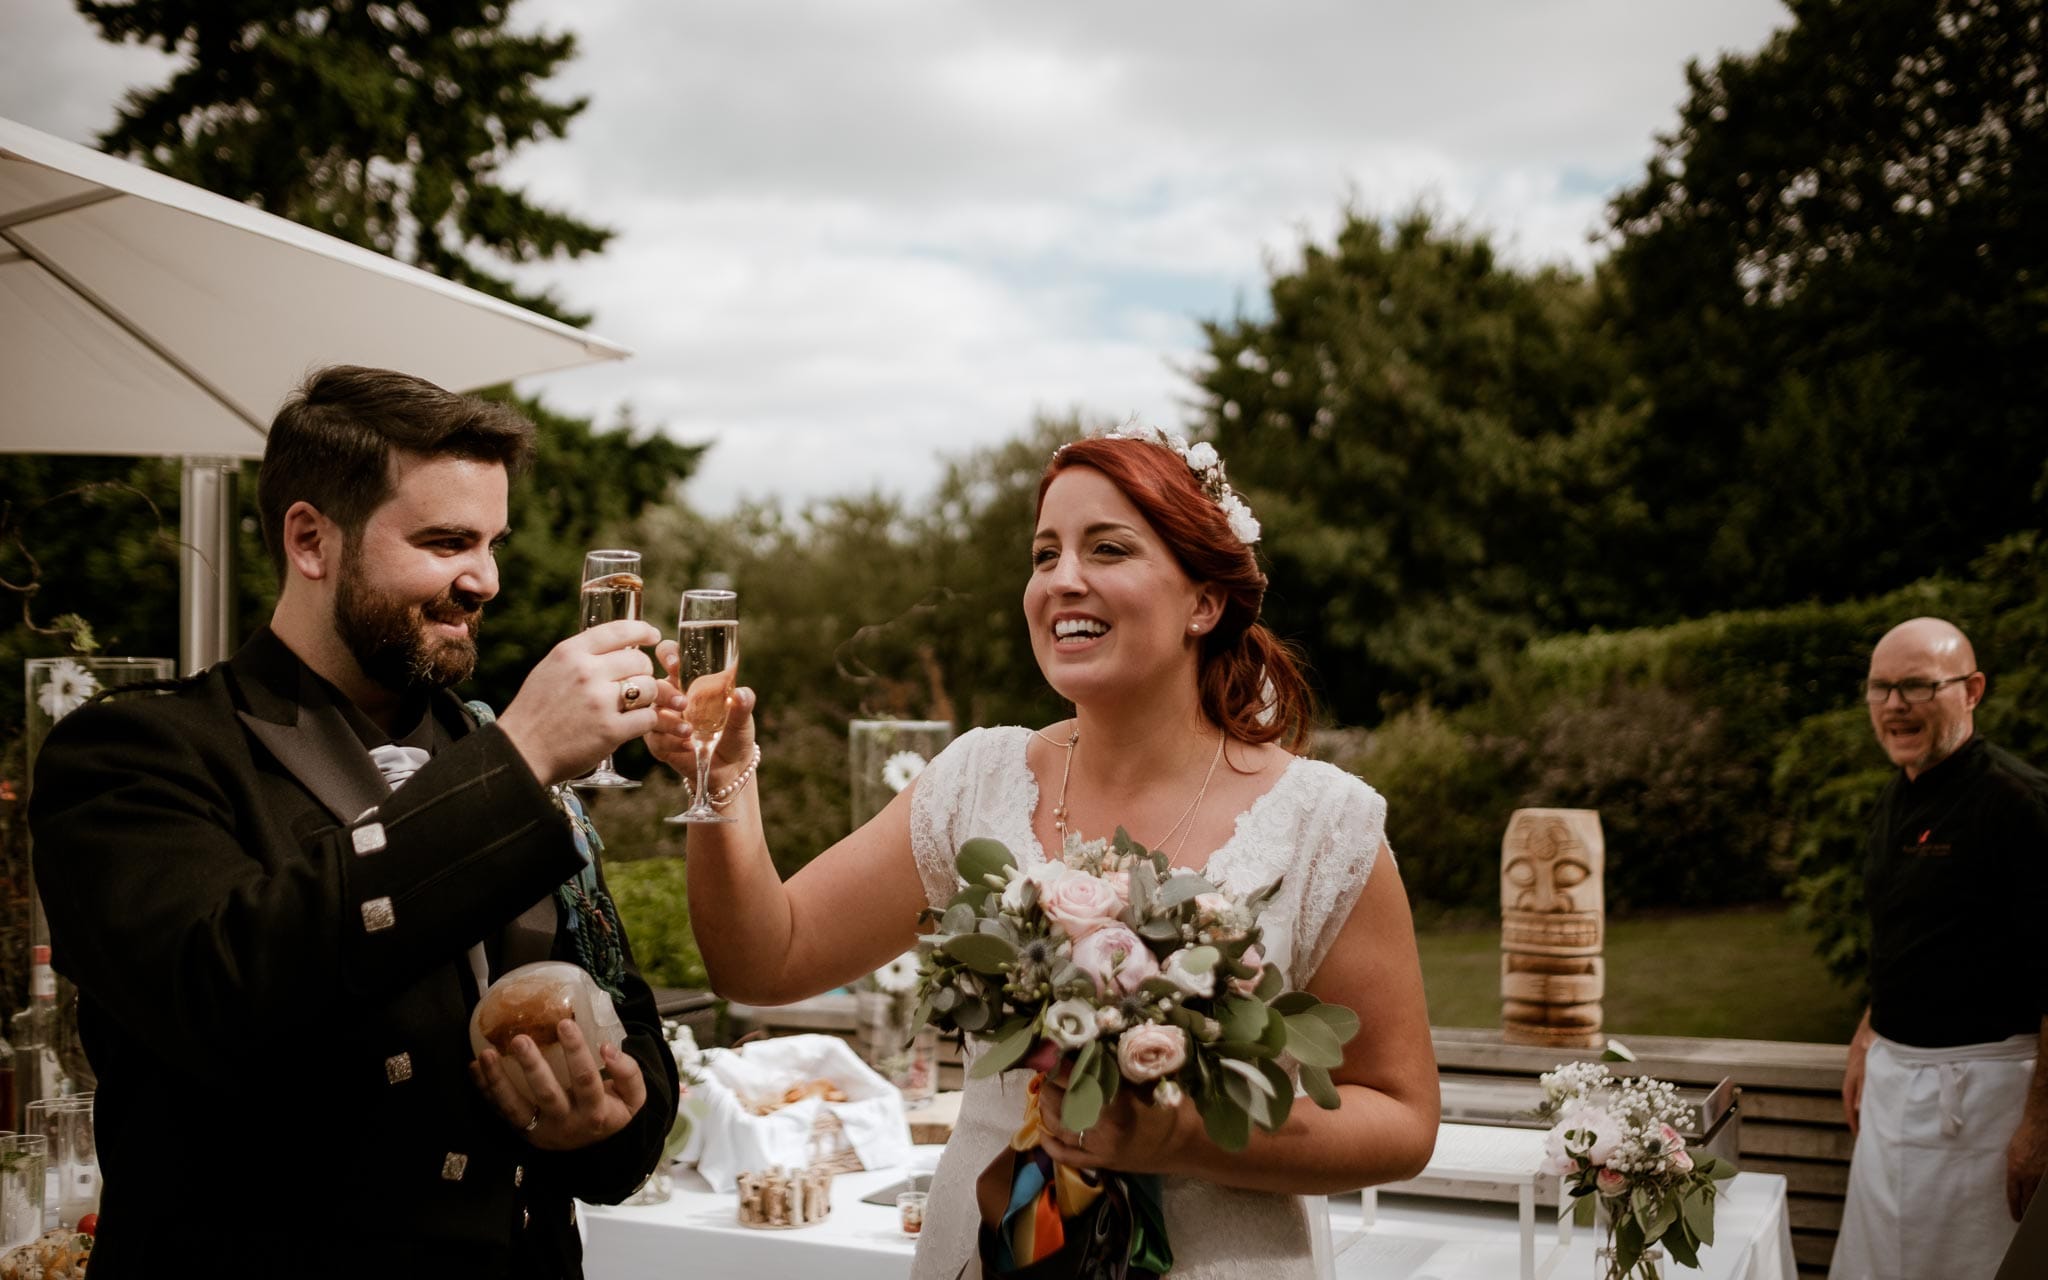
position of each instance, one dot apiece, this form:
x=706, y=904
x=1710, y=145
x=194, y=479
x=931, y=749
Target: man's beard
x=389, y=639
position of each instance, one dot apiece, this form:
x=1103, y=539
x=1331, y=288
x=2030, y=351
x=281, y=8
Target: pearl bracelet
x=724, y=795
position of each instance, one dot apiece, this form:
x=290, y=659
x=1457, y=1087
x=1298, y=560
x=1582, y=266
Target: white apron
x=1927, y=1180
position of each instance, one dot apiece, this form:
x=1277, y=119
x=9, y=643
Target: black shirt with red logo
x=1957, y=885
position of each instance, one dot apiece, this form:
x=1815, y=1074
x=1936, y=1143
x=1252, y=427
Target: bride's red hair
x=1250, y=680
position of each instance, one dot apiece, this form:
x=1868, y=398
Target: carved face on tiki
x=1553, y=921
x=1552, y=862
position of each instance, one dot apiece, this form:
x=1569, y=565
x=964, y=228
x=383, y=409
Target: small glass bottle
x=37, y=1071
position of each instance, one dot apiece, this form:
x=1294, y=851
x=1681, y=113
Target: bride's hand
x=1130, y=1136
x=670, y=740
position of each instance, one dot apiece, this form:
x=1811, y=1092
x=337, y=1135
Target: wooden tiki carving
x=1553, y=913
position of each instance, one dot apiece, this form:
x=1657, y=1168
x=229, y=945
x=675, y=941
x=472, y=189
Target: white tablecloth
x=695, y=1237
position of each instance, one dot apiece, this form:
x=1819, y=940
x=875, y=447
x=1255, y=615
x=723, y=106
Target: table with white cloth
x=696, y=1236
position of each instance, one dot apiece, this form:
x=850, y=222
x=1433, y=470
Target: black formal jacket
x=270, y=951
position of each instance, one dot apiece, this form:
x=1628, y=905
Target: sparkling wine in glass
x=707, y=667
x=612, y=588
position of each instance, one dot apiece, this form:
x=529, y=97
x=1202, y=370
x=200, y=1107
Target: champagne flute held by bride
x=707, y=667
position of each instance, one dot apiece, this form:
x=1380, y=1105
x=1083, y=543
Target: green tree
x=381, y=124
x=1834, y=279
x=1437, y=444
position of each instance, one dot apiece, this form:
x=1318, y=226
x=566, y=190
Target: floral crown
x=1202, y=459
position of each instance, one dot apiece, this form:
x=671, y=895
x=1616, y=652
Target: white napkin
x=734, y=1141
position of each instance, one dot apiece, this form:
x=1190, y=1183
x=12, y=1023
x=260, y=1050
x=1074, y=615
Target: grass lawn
x=1747, y=974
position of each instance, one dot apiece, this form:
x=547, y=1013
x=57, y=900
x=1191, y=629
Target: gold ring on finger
x=629, y=694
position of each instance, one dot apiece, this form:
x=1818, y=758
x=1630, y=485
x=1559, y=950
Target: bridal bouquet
x=1618, y=1140
x=1132, y=975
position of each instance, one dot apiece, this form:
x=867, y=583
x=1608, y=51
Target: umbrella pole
x=206, y=529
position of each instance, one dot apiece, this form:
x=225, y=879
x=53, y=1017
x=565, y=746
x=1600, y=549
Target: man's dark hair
x=331, y=443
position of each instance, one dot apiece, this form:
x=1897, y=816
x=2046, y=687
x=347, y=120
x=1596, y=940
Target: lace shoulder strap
x=1345, y=834
x=941, y=804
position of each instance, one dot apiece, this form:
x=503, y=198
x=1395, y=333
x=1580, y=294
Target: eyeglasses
x=1879, y=692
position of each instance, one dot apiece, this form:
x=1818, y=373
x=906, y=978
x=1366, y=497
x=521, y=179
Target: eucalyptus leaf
x=985, y=953
x=1244, y=1021
x=1294, y=1002
x=1227, y=1124
x=1083, y=1106
x=1179, y=889
x=959, y=918
x=981, y=857
x=1274, y=1038
x=1200, y=959
x=1143, y=884
x=1283, y=1092
x=1000, y=928
x=1271, y=980
x=1086, y=1058
x=1316, y=1083
x=1342, y=1022
x=974, y=1015
x=1014, y=1041
x=1312, y=1042
x=1159, y=930
x=944, y=999
x=974, y=897
x=1250, y=1074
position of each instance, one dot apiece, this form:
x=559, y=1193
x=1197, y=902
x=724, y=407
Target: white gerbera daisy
x=899, y=975
x=66, y=690
x=898, y=770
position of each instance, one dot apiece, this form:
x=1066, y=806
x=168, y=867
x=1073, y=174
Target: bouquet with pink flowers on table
x=1618, y=1140
x=1133, y=975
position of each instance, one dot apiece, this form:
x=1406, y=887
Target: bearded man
x=281, y=887
x=1944, y=1089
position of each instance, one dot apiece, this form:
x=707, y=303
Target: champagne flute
x=707, y=666
x=612, y=587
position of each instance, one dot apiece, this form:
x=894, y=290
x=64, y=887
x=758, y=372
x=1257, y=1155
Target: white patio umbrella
x=140, y=315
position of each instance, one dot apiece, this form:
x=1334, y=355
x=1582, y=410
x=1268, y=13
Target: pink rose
x=1610, y=1183
x=1120, y=881
x=1151, y=1050
x=1681, y=1161
x=1256, y=958
x=1116, y=958
x=1673, y=1139
x=1081, y=904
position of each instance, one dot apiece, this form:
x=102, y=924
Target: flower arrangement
x=1618, y=1140
x=1143, y=974
x=1131, y=975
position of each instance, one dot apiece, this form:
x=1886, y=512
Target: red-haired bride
x=1142, y=602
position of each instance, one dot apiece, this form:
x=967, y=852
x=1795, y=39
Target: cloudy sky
x=858, y=237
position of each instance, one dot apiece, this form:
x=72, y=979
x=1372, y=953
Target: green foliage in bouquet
x=1141, y=976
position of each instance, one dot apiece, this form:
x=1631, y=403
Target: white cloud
x=852, y=236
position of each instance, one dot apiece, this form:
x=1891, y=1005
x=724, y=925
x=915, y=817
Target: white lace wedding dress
x=1318, y=826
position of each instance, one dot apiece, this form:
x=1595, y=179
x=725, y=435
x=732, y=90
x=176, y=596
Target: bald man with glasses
x=1943, y=1089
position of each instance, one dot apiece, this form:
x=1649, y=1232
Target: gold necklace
x=1059, y=809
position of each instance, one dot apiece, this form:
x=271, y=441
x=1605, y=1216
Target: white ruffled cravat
x=397, y=764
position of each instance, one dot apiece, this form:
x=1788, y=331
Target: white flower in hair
x=1242, y=522
x=1207, y=465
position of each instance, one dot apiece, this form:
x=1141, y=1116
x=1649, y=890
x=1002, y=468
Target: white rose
x=1175, y=970
x=1109, y=1020
x=1070, y=1023
x=1243, y=525
x=1044, y=875
x=1202, y=456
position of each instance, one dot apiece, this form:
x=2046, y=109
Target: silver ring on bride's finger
x=629, y=693
x=534, y=1122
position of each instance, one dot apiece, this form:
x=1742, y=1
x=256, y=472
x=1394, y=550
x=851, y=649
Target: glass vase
x=886, y=755
x=1649, y=1266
